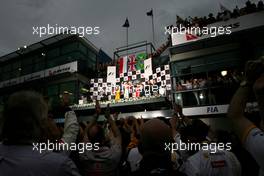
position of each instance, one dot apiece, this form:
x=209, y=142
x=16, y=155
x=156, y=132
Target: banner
x=111, y=74
x=148, y=67
x=69, y=67
x=205, y=110
x=216, y=109
x=235, y=24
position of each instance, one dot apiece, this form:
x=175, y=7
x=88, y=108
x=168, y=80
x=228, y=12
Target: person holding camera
x=251, y=136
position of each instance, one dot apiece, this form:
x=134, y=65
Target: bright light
x=43, y=54
x=201, y=96
x=178, y=97
x=25, y=46
x=224, y=73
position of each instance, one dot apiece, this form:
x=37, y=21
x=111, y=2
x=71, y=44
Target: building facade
x=52, y=66
x=206, y=72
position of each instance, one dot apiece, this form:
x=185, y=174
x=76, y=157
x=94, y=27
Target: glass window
x=7, y=68
x=53, y=53
x=16, y=73
x=53, y=90
x=92, y=55
x=54, y=100
x=39, y=66
x=61, y=60
x=39, y=59
x=83, y=48
x=73, y=56
x=68, y=86
x=26, y=61
x=91, y=65
x=27, y=70
x=69, y=47
x=5, y=76
x=51, y=63
x=16, y=65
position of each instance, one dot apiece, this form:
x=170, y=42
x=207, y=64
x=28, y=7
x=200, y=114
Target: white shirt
x=206, y=163
x=71, y=127
x=254, y=144
x=134, y=158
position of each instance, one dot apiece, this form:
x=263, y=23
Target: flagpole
x=153, y=36
x=127, y=39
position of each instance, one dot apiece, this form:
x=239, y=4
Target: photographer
x=251, y=136
x=105, y=160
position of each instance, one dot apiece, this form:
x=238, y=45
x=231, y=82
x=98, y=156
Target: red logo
x=191, y=37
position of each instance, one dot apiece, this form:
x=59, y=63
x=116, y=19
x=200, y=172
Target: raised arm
x=178, y=114
x=113, y=126
x=135, y=126
x=92, y=122
x=242, y=125
x=71, y=126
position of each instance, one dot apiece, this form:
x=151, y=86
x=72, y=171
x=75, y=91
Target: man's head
x=23, y=117
x=195, y=132
x=96, y=134
x=154, y=134
x=65, y=98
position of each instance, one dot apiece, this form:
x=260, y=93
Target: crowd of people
x=213, y=80
x=131, y=146
x=224, y=15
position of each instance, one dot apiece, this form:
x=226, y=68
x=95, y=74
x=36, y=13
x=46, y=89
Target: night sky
x=17, y=18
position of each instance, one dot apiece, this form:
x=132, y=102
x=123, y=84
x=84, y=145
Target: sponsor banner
x=69, y=67
x=148, y=67
x=217, y=109
x=178, y=39
x=33, y=76
x=205, y=110
x=14, y=81
x=234, y=24
x=5, y=83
